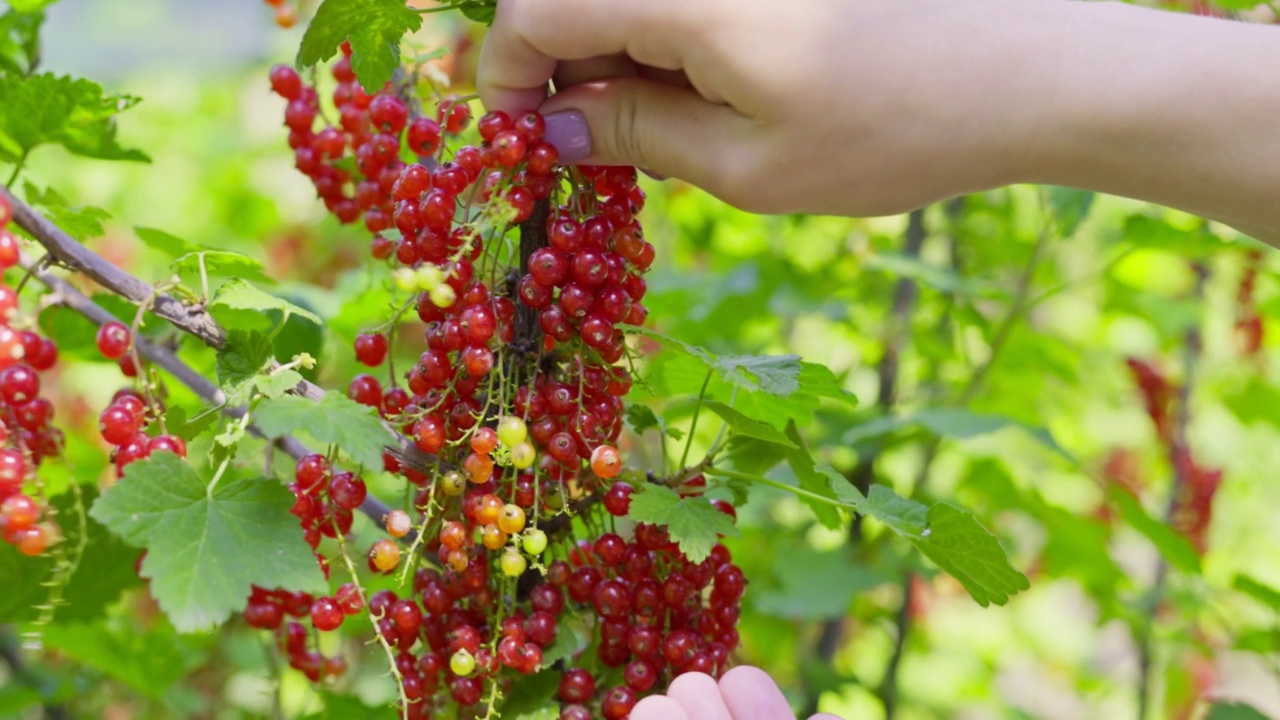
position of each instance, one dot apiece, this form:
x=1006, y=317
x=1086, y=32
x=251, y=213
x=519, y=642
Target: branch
x=1179, y=458
x=533, y=237
x=191, y=319
x=163, y=357
x=69, y=252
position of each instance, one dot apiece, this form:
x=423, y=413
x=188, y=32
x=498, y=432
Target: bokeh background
x=1017, y=311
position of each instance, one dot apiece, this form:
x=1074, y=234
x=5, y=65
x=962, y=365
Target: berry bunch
x=124, y=422
x=27, y=436
x=516, y=396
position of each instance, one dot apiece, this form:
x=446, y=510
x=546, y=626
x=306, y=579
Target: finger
x=577, y=72
x=668, y=130
x=750, y=693
x=529, y=38
x=658, y=707
x=700, y=697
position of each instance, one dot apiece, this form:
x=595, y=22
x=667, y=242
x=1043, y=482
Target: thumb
x=647, y=124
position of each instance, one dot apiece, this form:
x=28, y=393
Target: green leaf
x=641, y=418
x=278, y=382
x=1257, y=590
x=336, y=419
x=242, y=358
x=743, y=425
x=163, y=242
x=1234, y=711
x=1176, y=549
x=693, y=522
x=817, y=481
x=1071, y=206
x=940, y=279
x=30, y=6
x=205, y=548
x=187, y=428
x=801, y=569
x=238, y=294
x=149, y=662
x=221, y=263
x=79, y=222
x=481, y=11
x=531, y=694
x=374, y=27
x=46, y=108
x=952, y=538
x=20, y=41
x=105, y=570
x=958, y=423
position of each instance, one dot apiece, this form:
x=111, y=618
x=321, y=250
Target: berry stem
x=693, y=424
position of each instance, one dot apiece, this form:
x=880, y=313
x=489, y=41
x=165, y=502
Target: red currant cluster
x=124, y=422
x=658, y=615
x=268, y=609
x=26, y=433
x=516, y=398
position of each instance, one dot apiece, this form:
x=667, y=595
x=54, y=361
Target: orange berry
x=606, y=461
x=385, y=554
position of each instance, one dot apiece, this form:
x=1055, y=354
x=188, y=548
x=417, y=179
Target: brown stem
x=163, y=357
x=533, y=237
x=192, y=319
x=1179, y=458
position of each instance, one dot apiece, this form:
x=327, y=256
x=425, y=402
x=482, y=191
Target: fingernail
x=568, y=132
x=656, y=176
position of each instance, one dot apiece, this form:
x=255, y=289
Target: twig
x=1179, y=459
x=12, y=657
x=192, y=319
x=896, y=337
x=75, y=256
x=164, y=358
x=527, y=333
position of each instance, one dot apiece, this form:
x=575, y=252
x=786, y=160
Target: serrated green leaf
x=336, y=419
x=481, y=11
x=745, y=426
x=641, y=418
x=374, y=28
x=277, y=383
x=79, y=222
x=774, y=374
x=693, y=523
x=1176, y=549
x=222, y=263
x=238, y=294
x=187, y=428
x=813, y=480
x=959, y=423
x=75, y=113
x=243, y=357
x=164, y=242
x=952, y=538
x=105, y=570
x=205, y=548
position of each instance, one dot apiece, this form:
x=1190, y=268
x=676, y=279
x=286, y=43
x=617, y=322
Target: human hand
x=744, y=693
x=859, y=107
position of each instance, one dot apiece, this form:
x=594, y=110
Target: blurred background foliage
x=986, y=337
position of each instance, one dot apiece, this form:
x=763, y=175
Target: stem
x=693, y=425
x=735, y=475
x=165, y=358
x=1178, y=450
x=17, y=168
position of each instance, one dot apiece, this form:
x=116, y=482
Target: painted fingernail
x=656, y=176
x=568, y=132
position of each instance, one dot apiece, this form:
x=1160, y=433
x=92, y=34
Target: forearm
x=1178, y=110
